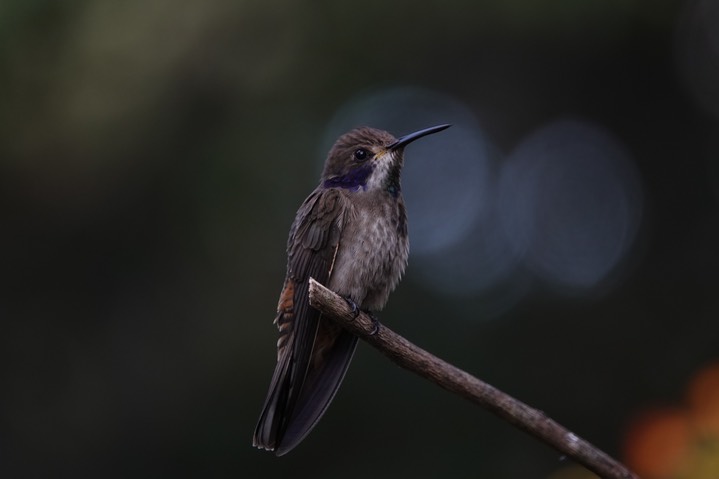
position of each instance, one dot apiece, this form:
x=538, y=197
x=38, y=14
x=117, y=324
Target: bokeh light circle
x=570, y=203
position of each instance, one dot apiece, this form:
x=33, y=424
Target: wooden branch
x=453, y=379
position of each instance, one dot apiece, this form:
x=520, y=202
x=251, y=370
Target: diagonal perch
x=453, y=379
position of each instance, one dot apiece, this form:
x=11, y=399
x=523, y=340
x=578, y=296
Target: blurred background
x=564, y=231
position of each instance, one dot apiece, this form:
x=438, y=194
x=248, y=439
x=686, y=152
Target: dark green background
x=152, y=156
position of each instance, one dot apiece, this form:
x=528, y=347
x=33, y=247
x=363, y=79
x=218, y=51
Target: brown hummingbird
x=350, y=234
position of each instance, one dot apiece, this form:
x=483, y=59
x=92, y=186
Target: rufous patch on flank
x=287, y=297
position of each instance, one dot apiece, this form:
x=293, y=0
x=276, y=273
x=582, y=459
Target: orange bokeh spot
x=703, y=399
x=657, y=442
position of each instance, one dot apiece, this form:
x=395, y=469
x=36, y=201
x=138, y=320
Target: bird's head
x=369, y=159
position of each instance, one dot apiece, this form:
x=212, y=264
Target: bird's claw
x=375, y=323
x=353, y=306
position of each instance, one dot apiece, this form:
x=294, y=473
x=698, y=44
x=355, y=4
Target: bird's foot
x=353, y=306
x=375, y=323
x=356, y=312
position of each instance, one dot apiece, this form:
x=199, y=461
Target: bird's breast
x=372, y=254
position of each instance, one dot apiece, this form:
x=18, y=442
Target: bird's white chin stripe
x=383, y=163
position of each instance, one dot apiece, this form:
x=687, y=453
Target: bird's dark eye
x=361, y=154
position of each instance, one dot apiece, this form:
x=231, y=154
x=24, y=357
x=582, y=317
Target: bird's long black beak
x=407, y=139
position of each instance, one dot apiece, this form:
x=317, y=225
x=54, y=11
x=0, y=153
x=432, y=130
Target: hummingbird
x=350, y=234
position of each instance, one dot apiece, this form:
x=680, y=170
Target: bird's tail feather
x=283, y=425
x=318, y=390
